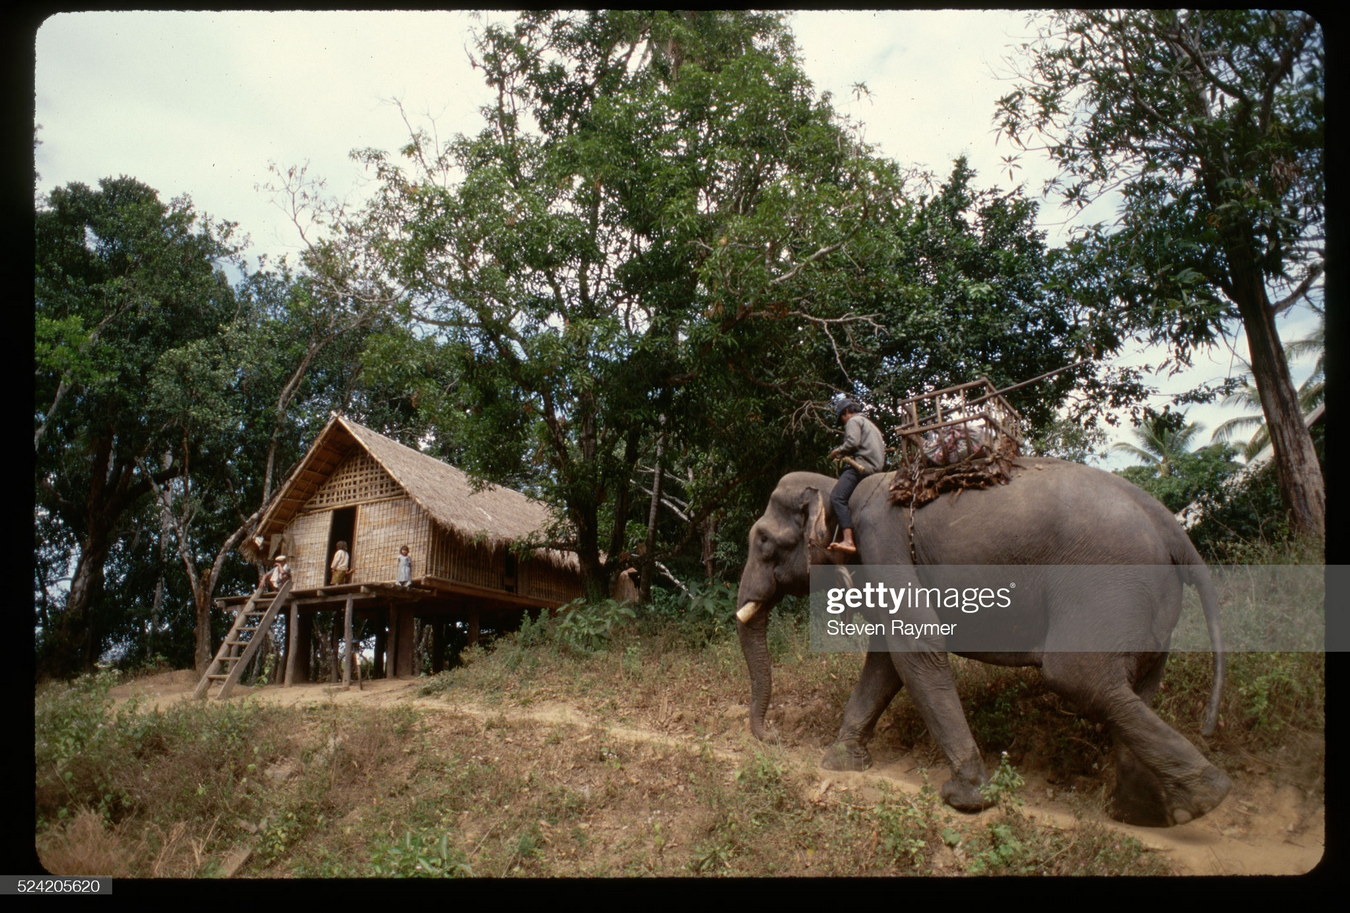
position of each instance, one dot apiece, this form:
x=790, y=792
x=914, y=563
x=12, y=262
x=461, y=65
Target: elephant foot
x=1140, y=799
x=1201, y=794
x=964, y=796
x=846, y=756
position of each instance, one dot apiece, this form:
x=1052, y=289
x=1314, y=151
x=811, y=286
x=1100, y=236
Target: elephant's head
x=791, y=535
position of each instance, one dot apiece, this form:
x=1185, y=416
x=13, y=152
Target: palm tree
x=1162, y=440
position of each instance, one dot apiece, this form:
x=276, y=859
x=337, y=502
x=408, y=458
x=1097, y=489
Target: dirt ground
x=1261, y=828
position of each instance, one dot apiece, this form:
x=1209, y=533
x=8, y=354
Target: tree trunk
x=76, y=643
x=645, y=582
x=203, y=643
x=1300, y=476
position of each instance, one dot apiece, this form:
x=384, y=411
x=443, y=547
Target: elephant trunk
x=755, y=648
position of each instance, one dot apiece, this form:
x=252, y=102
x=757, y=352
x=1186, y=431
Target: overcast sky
x=201, y=103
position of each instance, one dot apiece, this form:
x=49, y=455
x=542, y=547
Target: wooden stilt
x=348, y=656
x=292, y=644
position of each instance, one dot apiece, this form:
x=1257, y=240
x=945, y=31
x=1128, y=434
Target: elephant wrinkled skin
x=1051, y=513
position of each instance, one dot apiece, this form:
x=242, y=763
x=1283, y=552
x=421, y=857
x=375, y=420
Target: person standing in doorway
x=341, y=564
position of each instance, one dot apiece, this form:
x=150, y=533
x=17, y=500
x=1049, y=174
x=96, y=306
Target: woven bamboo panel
x=307, y=537
x=358, y=480
x=467, y=562
x=382, y=529
x=543, y=580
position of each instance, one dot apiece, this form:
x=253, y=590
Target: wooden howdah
x=960, y=437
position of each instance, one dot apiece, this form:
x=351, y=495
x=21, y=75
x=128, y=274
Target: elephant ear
x=817, y=529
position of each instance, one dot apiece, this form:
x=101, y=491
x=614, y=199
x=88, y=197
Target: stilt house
x=471, y=563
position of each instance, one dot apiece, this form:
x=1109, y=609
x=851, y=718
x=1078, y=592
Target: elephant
x=1049, y=512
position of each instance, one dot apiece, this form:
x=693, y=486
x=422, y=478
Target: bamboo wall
x=382, y=528
x=307, y=539
x=545, y=580
x=482, y=565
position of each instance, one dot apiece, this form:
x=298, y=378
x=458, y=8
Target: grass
x=243, y=788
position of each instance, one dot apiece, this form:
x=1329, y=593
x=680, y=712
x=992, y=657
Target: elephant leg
x=1162, y=779
x=877, y=686
x=928, y=676
x=1138, y=797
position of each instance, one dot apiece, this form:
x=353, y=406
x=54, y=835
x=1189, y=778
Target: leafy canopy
x=1210, y=126
x=650, y=193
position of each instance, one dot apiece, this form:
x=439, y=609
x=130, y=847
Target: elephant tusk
x=747, y=612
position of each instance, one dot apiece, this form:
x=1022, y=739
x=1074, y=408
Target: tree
x=247, y=401
x=124, y=284
x=618, y=262
x=1210, y=124
x=1191, y=476
x=966, y=288
x=1311, y=394
x=1163, y=439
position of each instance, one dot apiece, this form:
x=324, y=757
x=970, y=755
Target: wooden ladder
x=253, y=620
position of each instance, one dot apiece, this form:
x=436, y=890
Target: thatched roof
x=491, y=514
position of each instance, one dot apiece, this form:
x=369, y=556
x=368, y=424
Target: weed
x=1004, y=786
x=419, y=854
x=1015, y=846
x=907, y=828
x=761, y=779
x=703, y=613
x=585, y=628
x=632, y=659
x=1004, y=852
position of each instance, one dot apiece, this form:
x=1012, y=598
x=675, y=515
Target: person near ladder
x=862, y=453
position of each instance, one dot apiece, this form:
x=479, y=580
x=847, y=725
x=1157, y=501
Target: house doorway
x=341, y=528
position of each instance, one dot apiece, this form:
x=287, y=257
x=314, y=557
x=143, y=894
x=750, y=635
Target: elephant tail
x=1209, y=602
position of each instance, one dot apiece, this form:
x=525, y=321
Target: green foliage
x=1278, y=695
x=1199, y=475
x=71, y=730
x=128, y=293
x=167, y=402
x=1210, y=124
x=964, y=287
x=584, y=627
x=702, y=614
x=664, y=249
x=564, y=252
x=1004, y=785
x=909, y=827
x=419, y=854
x=192, y=761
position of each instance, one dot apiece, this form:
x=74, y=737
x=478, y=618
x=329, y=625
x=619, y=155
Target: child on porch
x=404, y=575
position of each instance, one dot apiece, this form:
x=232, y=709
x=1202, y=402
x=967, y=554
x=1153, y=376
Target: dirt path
x=1260, y=829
